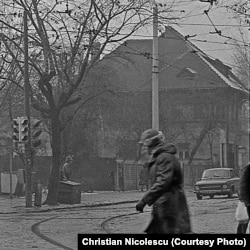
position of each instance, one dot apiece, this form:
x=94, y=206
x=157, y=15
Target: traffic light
x=24, y=129
x=35, y=132
x=15, y=126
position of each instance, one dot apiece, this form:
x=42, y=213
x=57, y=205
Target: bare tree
x=242, y=60
x=241, y=12
x=66, y=39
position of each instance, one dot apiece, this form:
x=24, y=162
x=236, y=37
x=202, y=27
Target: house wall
x=194, y=91
x=184, y=116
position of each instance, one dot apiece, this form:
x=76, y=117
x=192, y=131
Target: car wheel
x=199, y=197
x=211, y=196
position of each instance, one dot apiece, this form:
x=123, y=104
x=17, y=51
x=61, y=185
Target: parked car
x=217, y=181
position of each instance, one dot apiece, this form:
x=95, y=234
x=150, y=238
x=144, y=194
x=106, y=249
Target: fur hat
x=151, y=137
x=69, y=158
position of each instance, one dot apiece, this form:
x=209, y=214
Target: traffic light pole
x=28, y=188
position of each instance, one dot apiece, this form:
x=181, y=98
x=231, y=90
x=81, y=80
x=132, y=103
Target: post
x=155, y=71
x=28, y=174
x=227, y=164
x=222, y=155
x=11, y=165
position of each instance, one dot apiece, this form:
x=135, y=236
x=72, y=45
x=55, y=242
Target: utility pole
x=11, y=147
x=11, y=167
x=27, y=145
x=155, y=71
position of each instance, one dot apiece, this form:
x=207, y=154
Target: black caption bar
x=172, y=241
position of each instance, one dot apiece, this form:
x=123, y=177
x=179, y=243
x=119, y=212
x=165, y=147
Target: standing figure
x=170, y=213
x=143, y=181
x=112, y=177
x=244, y=197
x=66, y=170
x=143, y=160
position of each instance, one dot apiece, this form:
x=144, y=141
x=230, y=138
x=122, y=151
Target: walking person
x=170, y=213
x=244, y=197
x=66, y=170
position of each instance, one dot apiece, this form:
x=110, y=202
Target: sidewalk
x=98, y=198
x=18, y=204
x=18, y=220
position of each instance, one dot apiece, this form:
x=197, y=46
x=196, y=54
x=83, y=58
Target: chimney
x=224, y=69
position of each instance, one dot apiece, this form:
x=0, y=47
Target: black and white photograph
x=124, y=123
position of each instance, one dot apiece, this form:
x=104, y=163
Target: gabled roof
x=181, y=65
x=229, y=78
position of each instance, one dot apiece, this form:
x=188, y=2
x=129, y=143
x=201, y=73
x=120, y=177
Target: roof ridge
x=217, y=71
x=228, y=79
x=222, y=76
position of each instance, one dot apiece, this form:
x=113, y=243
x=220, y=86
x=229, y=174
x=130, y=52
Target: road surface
x=58, y=229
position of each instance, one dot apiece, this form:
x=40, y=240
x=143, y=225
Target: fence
x=193, y=173
x=128, y=173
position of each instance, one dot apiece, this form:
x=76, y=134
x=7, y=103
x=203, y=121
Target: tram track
x=35, y=229
x=104, y=228
x=105, y=224
x=108, y=219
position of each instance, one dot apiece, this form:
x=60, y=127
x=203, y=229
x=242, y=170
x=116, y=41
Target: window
x=183, y=154
x=232, y=174
x=187, y=73
x=183, y=149
x=216, y=173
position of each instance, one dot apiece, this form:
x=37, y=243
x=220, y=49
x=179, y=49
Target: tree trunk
x=54, y=177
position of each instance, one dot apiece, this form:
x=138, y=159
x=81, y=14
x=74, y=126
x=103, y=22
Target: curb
x=18, y=209
x=43, y=210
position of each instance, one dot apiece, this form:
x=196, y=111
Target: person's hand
x=140, y=206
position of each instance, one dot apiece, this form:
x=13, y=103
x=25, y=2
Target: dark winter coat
x=170, y=214
x=244, y=185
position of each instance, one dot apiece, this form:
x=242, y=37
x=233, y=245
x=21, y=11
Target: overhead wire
x=190, y=39
x=149, y=56
x=190, y=36
x=219, y=32
x=232, y=65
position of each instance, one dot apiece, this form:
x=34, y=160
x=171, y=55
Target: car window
x=215, y=173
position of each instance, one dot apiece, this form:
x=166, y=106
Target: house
x=201, y=105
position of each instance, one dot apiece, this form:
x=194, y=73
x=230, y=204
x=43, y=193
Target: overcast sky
x=202, y=27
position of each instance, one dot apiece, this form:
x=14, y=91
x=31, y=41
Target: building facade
x=202, y=104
